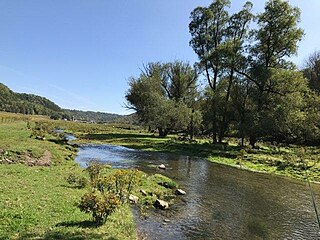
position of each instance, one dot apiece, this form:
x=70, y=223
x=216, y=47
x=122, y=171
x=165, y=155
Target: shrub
x=75, y=180
x=99, y=205
x=110, y=190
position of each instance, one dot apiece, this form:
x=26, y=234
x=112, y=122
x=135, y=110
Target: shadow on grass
x=81, y=224
x=109, y=136
x=58, y=141
x=71, y=186
x=62, y=235
x=161, y=144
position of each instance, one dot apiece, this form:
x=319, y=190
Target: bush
x=99, y=205
x=110, y=189
x=94, y=170
x=75, y=180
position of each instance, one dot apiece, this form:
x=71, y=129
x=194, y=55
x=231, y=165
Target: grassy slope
x=36, y=202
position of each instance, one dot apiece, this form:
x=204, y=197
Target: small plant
x=75, y=180
x=110, y=189
x=99, y=205
x=94, y=170
x=241, y=157
x=40, y=130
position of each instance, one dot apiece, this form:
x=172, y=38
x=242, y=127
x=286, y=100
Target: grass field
x=37, y=203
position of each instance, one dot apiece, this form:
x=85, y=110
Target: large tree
x=218, y=40
x=237, y=61
x=164, y=96
x=312, y=71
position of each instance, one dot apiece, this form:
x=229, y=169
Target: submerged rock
x=133, y=199
x=162, y=166
x=180, y=192
x=161, y=204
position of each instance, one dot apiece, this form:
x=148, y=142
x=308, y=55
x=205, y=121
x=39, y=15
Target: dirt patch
x=45, y=160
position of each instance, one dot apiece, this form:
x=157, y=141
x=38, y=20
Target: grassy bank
x=292, y=161
x=36, y=202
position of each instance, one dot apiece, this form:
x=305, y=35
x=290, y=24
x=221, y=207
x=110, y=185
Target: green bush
x=110, y=189
x=99, y=205
x=75, y=180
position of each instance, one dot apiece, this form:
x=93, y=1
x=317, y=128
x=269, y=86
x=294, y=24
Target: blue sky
x=80, y=53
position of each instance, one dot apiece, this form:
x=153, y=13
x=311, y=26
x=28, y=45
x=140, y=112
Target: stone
x=143, y=192
x=180, y=192
x=161, y=204
x=133, y=199
x=162, y=166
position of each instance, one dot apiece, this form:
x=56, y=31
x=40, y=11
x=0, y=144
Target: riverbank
x=298, y=162
x=36, y=201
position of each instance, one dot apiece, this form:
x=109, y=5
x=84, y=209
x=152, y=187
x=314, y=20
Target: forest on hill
x=36, y=105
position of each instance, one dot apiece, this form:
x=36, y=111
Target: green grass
x=38, y=203
x=281, y=160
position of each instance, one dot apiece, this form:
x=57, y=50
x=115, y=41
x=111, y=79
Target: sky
x=81, y=53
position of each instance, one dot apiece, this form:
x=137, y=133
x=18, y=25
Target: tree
x=312, y=71
x=164, y=96
x=276, y=39
x=208, y=28
x=218, y=40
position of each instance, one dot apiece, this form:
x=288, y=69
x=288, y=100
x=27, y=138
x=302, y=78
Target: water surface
x=221, y=202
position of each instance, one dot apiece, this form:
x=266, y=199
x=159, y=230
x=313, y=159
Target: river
x=221, y=202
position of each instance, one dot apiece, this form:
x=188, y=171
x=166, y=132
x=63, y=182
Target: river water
x=221, y=202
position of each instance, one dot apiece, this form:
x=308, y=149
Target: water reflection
x=221, y=202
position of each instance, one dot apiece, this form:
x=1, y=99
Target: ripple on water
x=221, y=202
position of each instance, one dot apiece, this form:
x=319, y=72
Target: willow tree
x=218, y=40
x=164, y=96
x=276, y=39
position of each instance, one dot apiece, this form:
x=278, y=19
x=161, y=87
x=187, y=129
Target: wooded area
x=253, y=91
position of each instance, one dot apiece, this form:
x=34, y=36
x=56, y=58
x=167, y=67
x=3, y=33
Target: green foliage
x=109, y=190
x=99, y=205
x=40, y=129
x=28, y=104
x=76, y=180
x=164, y=96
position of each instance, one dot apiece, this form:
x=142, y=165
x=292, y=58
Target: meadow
x=36, y=202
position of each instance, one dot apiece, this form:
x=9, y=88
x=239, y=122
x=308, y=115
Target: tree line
x=253, y=91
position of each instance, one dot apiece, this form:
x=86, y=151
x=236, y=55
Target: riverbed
x=222, y=202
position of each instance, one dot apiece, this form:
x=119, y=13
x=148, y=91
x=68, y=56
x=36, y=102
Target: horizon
x=81, y=56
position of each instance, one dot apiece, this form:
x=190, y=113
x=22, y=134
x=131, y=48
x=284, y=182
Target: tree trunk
x=252, y=141
x=162, y=132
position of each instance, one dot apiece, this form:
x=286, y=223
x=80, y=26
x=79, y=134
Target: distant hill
x=90, y=116
x=32, y=104
x=28, y=104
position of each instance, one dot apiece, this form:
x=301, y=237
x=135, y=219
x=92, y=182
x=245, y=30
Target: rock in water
x=161, y=204
x=162, y=166
x=180, y=192
x=133, y=199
